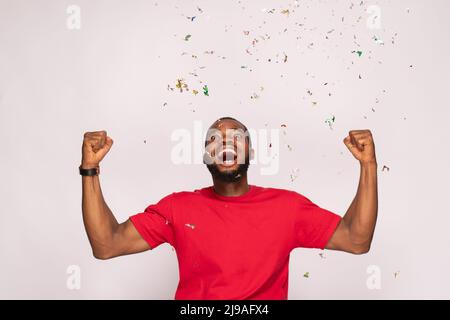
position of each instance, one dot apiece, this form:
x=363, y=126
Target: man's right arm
x=107, y=237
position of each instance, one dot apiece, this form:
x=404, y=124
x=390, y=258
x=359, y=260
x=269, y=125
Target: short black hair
x=231, y=118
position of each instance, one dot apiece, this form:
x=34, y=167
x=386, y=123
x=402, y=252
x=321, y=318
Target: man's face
x=227, y=150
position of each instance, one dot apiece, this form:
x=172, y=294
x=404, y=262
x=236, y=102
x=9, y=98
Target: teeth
x=228, y=150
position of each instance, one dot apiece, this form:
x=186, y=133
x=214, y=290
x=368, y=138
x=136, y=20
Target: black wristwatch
x=90, y=172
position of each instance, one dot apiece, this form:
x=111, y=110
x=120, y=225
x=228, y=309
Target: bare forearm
x=98, y=219
x=362, y=214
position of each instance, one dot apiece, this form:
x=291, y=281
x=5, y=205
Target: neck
x=231, y=189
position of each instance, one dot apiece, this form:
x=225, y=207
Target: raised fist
x=96, y=145
x=361, y=145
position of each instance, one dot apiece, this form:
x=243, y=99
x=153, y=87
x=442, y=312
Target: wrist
x=85, y=165
x=369, y=163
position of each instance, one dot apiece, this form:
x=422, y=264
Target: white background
x=112, y=74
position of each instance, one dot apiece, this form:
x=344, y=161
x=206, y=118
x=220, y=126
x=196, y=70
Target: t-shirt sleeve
x=155, y=223
x=313, y=225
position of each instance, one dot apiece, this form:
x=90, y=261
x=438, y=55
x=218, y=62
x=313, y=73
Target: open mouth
x=227, y=157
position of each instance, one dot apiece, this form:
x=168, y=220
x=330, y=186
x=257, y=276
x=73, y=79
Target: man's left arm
x=355, y=231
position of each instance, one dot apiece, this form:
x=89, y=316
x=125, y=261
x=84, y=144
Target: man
x=232, y=239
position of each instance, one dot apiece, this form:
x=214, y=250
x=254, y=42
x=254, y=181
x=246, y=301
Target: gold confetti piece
x=306, y=275
x=181, y=84
x=285, y=11
x=195, y=92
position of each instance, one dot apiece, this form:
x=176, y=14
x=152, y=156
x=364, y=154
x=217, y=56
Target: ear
x=207, y=158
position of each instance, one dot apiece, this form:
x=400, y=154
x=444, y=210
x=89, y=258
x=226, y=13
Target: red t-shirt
x=235, y=247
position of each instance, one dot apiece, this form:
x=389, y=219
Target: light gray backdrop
x=379, y=65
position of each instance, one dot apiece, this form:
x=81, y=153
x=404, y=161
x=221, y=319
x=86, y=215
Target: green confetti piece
x=359, y=53
x=205, y=90
x=330, y=121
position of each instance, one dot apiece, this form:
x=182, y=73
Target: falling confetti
x=306, y=275
x=294, y=174
x=205, y=90
x=385, y=167
x=187, y=37
x=330, y=122
x=190, y=225
x=378, y=40
x=181, y=85
x=396, y=274
x=322, y=255
x=195, y=92
x=359, y=53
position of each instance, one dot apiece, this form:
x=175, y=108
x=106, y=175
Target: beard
x=229, y=175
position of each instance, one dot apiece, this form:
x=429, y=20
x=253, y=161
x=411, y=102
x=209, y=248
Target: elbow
x=359, y=250
x=102, y=254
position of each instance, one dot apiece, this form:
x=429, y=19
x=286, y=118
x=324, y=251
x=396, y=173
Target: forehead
x=227, y=124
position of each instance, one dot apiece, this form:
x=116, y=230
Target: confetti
x=205, y=90
x=190, y=225
x=187, y=37
x=378, y=40
x=359, y=53
x=306, y=275
x=195, y=92
x=294, y=174
x=330, y=121
x=396, y=274
x=285, y=11
x=385, y=167
x=181, y=85
x=322, y=255
x=285, y=57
